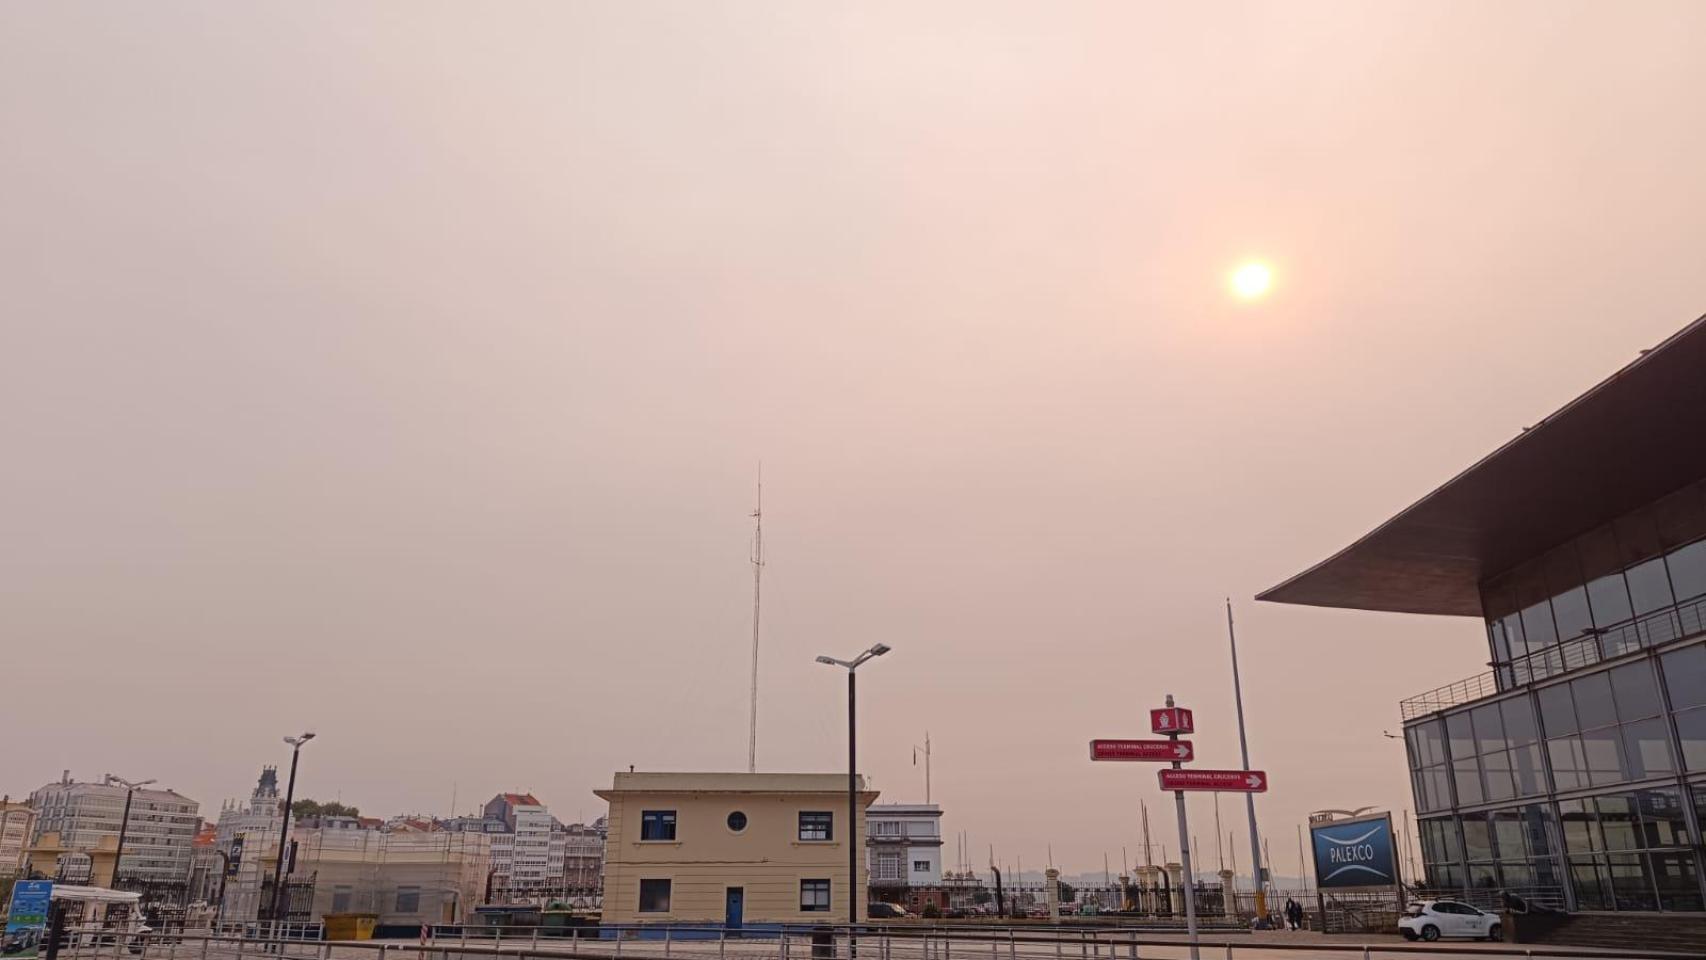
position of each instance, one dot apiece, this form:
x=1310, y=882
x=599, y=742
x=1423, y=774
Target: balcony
x=1654, y=629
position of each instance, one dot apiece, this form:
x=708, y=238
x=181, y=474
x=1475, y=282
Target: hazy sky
x=401, y=371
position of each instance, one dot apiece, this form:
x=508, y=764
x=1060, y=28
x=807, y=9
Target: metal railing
x=825, y=943
x=1659, y=627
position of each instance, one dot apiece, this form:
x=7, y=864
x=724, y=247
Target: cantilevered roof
x=1628, y=441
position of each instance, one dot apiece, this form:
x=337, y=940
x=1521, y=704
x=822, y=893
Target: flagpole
x=1244, y=751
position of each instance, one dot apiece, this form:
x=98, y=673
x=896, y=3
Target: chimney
x=65, y=779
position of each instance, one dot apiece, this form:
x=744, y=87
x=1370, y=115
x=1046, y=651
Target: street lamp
x=278, y=898
x=130, y=789
x=852, y=666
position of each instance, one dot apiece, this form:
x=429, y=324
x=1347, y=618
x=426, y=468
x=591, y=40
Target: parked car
x=886, y=911
x=1431, y=919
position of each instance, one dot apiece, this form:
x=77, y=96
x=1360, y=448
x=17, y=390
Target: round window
x=737, y=821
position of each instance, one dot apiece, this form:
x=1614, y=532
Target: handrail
x=1650, y=630
x=381, y=950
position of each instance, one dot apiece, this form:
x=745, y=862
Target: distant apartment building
x=731, y=848
x=161, y=827
x=405, y=877
x=17, y=825
x=535, y=857
x=583, y=858
x=904, y=845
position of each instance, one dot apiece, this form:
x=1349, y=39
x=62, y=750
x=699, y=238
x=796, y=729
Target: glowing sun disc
x=1252, y=280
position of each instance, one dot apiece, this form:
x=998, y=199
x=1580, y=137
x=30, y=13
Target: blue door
x=733, y=907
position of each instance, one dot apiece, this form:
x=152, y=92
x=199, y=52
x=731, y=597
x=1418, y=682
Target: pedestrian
x=1294, y=913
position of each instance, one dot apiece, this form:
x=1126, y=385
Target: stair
x=1679, y=933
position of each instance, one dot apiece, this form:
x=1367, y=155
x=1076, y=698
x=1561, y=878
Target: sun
x=1252, y=280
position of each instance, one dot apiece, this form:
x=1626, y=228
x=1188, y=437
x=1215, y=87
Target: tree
x=1068, y=893
x=314, y=808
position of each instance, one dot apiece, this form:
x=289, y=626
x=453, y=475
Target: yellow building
x=731, y=848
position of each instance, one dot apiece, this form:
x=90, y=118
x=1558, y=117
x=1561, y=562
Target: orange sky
x=402, y=370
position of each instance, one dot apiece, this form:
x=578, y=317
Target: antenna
x=757, y=582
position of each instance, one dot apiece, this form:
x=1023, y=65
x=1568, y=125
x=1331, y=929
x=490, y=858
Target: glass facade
x=1588, y=782
x=1637, y=582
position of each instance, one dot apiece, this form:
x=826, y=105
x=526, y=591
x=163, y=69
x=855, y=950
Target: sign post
x=1176, y=719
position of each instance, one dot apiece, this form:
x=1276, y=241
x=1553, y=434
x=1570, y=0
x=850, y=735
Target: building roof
x=1628, y=441
x=520, y=799
x=835, y=783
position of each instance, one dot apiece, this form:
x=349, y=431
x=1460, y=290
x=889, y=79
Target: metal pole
x=852, y=819
x=1189, y=883
x=284, y=835
x=1244, y=753
x=123, y=828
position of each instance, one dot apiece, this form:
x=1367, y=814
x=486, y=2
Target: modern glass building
x=1573, y=769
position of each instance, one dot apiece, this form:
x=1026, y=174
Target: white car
x=1431, y=919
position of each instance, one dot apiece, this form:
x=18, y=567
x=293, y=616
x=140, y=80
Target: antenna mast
x=757, y=582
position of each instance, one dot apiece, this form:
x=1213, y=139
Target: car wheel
x=1495, y=933
x=1409, y=934
x=1430, y=933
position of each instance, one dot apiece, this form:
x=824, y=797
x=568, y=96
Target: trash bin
x=823, y=943
x=350, y=926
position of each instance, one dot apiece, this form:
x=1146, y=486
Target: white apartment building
x=904, y=845
x=157, y=840
x=17, y=824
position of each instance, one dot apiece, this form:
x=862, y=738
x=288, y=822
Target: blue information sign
x=26, y=921
x=1355, y=853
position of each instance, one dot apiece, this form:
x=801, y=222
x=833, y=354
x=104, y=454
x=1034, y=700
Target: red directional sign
x=1162, y=750
x=1172, y=720
x=1226, y=781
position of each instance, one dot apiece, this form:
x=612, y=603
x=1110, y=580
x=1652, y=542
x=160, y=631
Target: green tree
x=314, y=808
x=1068, y=893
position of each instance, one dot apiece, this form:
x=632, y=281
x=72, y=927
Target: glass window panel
x=1594, y=706
x=1518, y=715
x=1535, y=819
x=1570, y=612
x=1557, y=711
x=1630, y=883
x=1477, y=839
x=1617, y=821
x=1496, y=776
x=1412, y=748
x=1637, y=538
x=1685, y=676
x=1592, y=893
x=1508, y=833
x=1581, y=826
x=1436, y=790
x=1569, y=763
x=1609, y=598
x=1489, y=728
x=1498, y=642
x=1637, y=692
x=1678, y=878
x=1466, y=776
x=1428, y=736
x=1483, y=876
x=1662, y=820
x=1691, y=731
x=1680, y=517
x=1528, y=770
x=1604, y=752
x=1649, y=586
x=1461, y=734
x=1646, y=749
x=1688, y=570
x=1537, y=626
x=1511, y=626
x=1518, y=876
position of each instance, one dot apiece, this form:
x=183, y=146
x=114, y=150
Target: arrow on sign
x=1228, y=781
x=1162, y=750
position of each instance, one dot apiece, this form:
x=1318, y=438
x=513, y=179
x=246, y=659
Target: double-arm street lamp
x=130, y=788
x=853, y=851
x=279, y=901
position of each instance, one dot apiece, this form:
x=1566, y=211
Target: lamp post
x=278, y=898
x=852, y=667
x=130, y=789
